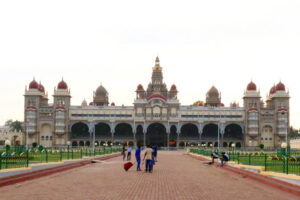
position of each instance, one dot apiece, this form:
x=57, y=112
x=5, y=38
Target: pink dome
x=62, y=85
x=33, y=85
x=140, y=87
x=200, y=104
x=41, y=88
x=112, y=104
x=222, y=105
x=91, y=103
x=273, y=90
x=173, y=87
x=251, y=86
x=280, y=87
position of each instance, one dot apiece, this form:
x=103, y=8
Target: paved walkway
x=175, y=176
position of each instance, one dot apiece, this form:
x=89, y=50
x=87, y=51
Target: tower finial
x=157, y=60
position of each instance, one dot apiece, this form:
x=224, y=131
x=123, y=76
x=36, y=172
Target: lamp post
x=92, y=129
x=68, y=143
x=284, y=148
x=219, y=136
x=27, y=135
x=233, y=146
x=7, y=145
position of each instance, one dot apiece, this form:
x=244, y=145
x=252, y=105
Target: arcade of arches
x=156, y=133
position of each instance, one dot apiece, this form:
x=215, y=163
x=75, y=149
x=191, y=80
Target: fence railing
x=277, y=162
x=17, y=158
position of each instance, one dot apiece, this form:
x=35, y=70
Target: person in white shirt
x=129, y=153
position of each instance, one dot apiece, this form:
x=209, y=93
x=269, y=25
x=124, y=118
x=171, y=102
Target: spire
x=157, y=60
x=157, y=66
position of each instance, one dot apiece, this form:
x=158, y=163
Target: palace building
x=156, y=117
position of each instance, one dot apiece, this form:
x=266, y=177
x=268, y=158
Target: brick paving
x=175, y=176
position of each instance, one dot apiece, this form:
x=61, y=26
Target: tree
x=8, y=122
x=293, y=133
x=14, y=125
x=196, y=103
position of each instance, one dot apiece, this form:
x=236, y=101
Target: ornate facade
x=157, y=117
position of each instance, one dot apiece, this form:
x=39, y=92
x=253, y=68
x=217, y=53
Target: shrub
x=261, y=146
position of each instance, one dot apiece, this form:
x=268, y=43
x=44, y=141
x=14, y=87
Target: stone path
x=175, y=176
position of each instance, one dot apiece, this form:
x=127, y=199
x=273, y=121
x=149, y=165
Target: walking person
x=129, y=153
x=138, y=158
x=124, y=152
x=148, y=157
x=154, y=147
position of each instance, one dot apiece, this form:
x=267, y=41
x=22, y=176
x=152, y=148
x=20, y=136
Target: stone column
x=134, y=140
x=144, y=138
x=177, y=139
x=168, y=140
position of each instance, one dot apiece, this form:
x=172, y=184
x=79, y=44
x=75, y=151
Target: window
x=50, y=137
x=43, y=138
x=47, y=137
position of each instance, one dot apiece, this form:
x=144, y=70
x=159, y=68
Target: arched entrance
x=189, y=132
x=210, y=132
x=102, y=131
x=267, y=136
x=80, y=131
x=139, y=136
x=233, y=132
x=46, y=133
x=173, y=136
x=156, y=135
x=123, y=131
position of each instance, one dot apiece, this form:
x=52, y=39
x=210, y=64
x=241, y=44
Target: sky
x=200, y=43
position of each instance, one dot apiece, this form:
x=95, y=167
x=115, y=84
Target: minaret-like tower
x=281, y=105
x=33, y=100
x=252, y=107
x=61, y=105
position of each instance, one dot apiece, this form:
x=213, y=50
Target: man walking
x=138, y=158
x=129, y=153
x=154, y=147
x=148, y=157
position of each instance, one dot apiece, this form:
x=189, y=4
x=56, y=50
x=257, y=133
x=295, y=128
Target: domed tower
x=281, y=106
x=140, y=92
x=213, y=97
x=157, y=86
x=61, y=105
x=83, y=103
x=101, y=96
x=62, y=96
x=252, y=106
x=173, y=92
x=33, y=100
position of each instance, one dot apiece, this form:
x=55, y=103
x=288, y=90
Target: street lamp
x=7, y=145
x=27, y=135
x=233, y=146
x=68, y=143
x=284, y=148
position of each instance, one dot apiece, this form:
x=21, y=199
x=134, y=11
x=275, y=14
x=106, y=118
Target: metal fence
x=276, y=161
x=16, y=158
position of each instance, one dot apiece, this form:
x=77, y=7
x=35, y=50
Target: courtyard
x=175, y=176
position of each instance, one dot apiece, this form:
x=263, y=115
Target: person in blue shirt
x=138, y=158
x=154, y=147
